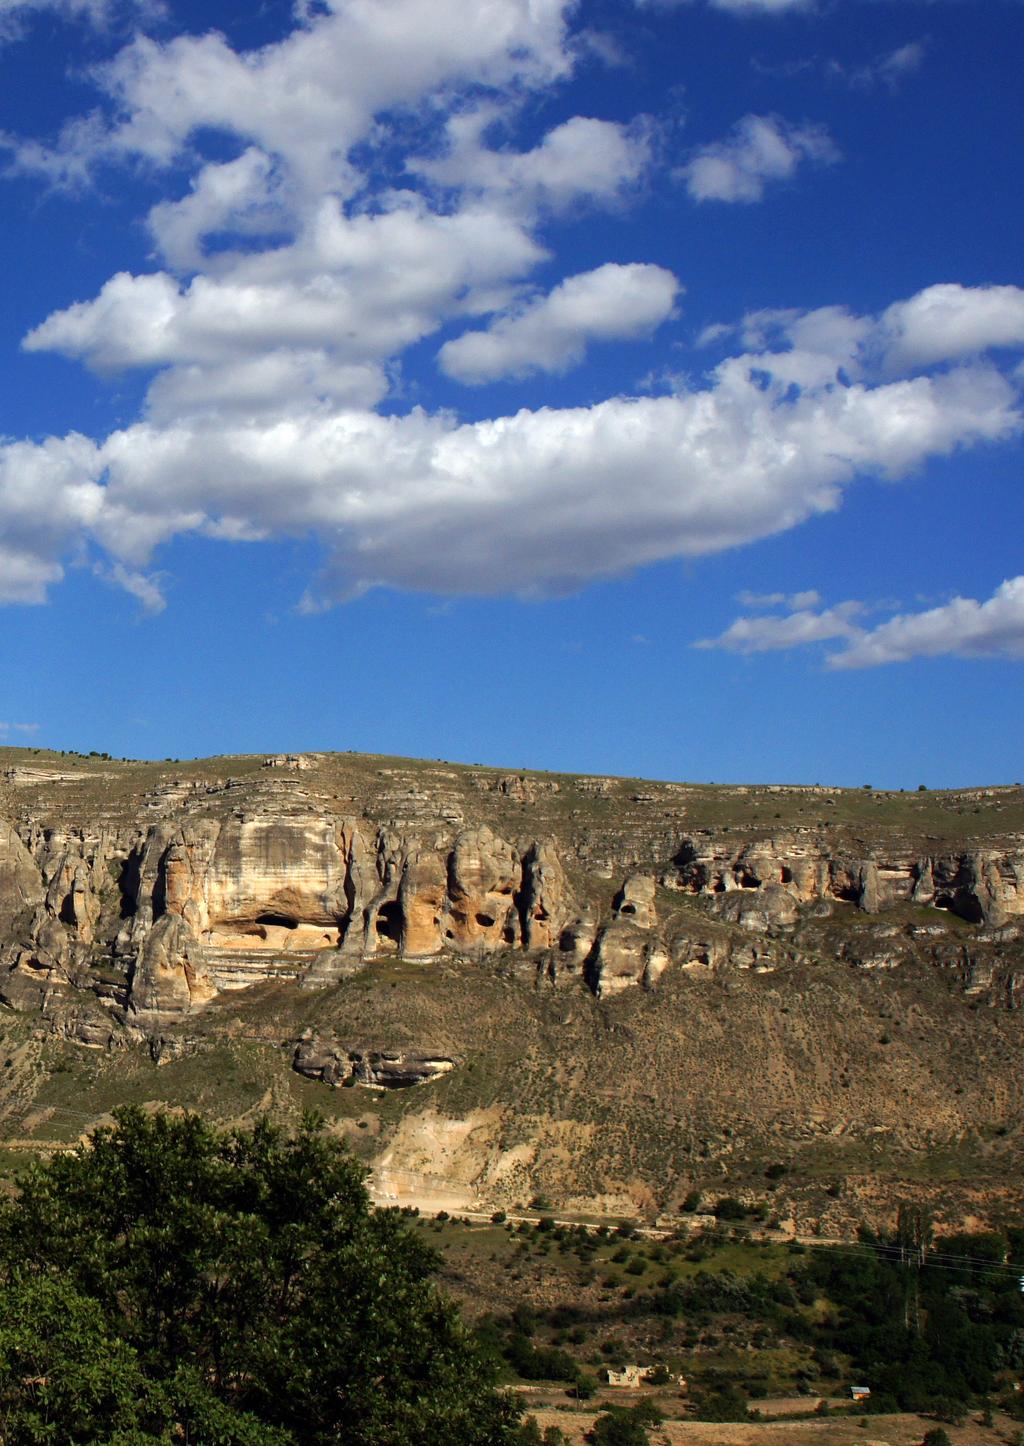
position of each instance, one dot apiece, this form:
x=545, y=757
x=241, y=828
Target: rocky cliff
x=131, y=897
x=138, y=899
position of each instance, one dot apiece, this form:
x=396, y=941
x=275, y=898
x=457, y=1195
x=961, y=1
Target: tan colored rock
x=289, y=867
x=70, y=893
x=83, y=907
x=484, y=873
x=578, y=938
x=43, y=971
x=699, y=953
x=21, y=884
x=625, y=955
x=635, y=901
x=870, y=891
x=271, y=880
x=758, y=910
x=547, y=906
x=324, y=1058
x=183, y=873
x=422, y=901
x=170, y=978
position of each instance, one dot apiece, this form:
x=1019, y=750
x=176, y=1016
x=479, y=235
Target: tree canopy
x=170, y=1283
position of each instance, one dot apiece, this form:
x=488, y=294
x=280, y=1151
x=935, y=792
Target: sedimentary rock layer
x=127, y=908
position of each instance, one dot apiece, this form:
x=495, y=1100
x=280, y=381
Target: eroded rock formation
x=121, y=910
x=326, y=1059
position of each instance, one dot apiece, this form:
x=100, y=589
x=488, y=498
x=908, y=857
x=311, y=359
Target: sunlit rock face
x=984, y=886
x=249, y=882
x=484, y=877
x=171, y=978
x=21, y=882
x=133, y=907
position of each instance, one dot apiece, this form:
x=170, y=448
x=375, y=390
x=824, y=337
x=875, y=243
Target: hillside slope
x=609, y=992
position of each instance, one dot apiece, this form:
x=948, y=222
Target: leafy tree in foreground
x=168, y=1283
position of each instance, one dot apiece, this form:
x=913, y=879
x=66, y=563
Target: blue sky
x=626, y=387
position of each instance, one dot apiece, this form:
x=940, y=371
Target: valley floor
x=901, y=1430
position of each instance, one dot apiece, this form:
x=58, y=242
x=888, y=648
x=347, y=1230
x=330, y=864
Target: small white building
x=628, y=1376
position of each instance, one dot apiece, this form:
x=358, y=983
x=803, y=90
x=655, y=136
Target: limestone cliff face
x=136, y=915
x=170, y=978
x=236, y=880
x=983, y=886
x=21, y=883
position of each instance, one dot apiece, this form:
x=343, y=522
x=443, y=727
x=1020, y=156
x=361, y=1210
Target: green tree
x=728, y=1403
x=620, y=1426
x=169, y=1283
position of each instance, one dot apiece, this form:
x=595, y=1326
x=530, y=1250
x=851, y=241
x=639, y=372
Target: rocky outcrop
x=422, y=903
x=21, y=884
x=203, y=884
x=983, y=886
x=546, y=904
x=624, y=951
x=323, y=1058
x=758, y=911
x=484, y=873
x=171, y=977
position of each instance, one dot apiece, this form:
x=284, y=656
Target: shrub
x=729, y=1208
x=726, y=1404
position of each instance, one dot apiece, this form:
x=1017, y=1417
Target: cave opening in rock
x=628, y=909
x=389, y=921
x=846, y=893
x=277, y=921
x=964, y=907
x=485, y=921
x=128, y=885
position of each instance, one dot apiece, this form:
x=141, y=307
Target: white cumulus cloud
x=581, y=158
x=736, y=7
x=539, y=501
x=887, y=69
x=949, y=321
x=376, y=195
x=361, y=288
x=809, y=598
x=551, y=333
x=962, y=628
x=14, y=13
x=760, y=149
x=49, y=499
